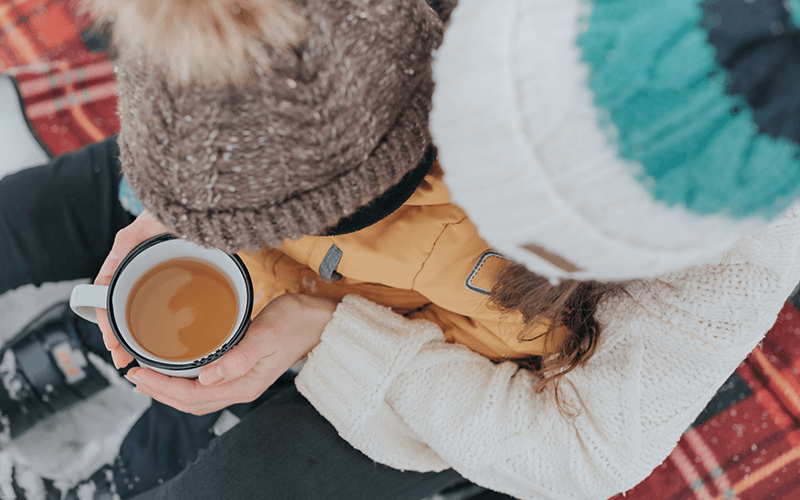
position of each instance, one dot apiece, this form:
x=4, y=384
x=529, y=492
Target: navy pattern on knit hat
x=627, y=138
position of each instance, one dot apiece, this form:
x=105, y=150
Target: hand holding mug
x=283, y=333
x=172, y=305
x=144, y=227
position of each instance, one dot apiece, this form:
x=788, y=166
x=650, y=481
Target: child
x=424, y=260
x=277, y=158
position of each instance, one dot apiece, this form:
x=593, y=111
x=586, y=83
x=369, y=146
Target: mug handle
x=85, y=298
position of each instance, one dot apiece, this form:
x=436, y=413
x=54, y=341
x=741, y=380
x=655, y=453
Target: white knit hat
x=579, y=141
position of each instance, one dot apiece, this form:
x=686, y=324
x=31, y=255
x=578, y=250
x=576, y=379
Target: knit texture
x=395, y=390
x=633, y=145
x=677, y=111
x=338, y=120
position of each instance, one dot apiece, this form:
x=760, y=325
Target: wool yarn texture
x=393, y=387
x=625, y=138
x=287, y=150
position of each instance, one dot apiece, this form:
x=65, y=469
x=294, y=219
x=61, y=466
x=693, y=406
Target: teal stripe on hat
x=794, y=10
x=662, y=96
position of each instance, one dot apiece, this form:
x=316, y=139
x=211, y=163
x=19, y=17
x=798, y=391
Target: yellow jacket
x=425, y=260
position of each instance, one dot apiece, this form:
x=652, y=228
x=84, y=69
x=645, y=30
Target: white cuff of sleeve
x=363, y=350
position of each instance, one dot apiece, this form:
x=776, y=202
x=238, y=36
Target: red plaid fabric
x=69, y=92
x=749, y=450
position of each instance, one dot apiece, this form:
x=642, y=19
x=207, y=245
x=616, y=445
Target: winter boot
x=44, y=369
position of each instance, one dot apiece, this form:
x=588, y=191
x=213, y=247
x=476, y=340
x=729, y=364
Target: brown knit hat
x=331, y=114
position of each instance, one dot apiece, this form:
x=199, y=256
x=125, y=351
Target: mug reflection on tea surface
x=182, y=309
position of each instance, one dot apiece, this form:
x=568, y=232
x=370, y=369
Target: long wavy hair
x=570, y=304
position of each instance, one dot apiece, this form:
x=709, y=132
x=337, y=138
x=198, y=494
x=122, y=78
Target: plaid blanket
x=746, y=443
x=68, y=90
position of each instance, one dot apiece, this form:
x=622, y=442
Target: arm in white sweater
x=396, y=391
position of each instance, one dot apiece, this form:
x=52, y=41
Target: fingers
x=285, y=331
x=119, y=355
x=161, y=398
x=144, y=227
x=109, y=339
x=238, y=361
x=189, y=396
x=107, y=269
x=212, y=374
x=241, y=358
x=275, y=340
x=163, y=388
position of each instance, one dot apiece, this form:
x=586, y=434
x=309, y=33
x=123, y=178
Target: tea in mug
x=182, y=310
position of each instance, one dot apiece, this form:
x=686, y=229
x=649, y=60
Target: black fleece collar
x=387, y=203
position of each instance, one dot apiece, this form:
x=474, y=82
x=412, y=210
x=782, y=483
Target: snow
x=8, y=367
x=86, y=491
x=6, y=476
x=31, y=483
x=72, y=444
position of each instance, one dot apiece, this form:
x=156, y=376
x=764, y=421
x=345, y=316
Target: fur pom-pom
x=202, y=41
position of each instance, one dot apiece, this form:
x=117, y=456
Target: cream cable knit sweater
x=396, y=391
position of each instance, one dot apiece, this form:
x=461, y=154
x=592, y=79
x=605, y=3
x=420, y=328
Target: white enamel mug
x=149, y=254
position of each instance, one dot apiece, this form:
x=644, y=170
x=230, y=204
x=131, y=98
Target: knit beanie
x=248, y=122
x=619, y=139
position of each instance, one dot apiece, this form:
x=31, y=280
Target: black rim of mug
x=191, y=364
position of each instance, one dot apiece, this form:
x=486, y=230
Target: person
x=313, y=458
x=366, y=212
x=706, y=277
x=372, y=373
x=396, y=157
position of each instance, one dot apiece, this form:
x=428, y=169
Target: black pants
x=57, y=222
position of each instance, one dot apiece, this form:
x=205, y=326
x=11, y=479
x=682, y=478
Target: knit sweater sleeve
x=396, y=391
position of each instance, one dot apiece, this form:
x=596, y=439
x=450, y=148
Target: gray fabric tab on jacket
x=329, y=264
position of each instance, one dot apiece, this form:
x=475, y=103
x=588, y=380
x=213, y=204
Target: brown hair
x=570, y=304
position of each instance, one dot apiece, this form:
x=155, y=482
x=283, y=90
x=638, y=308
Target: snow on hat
x=619, y=139
x=248, y=122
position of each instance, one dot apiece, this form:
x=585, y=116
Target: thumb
x=235, y=363
x=257, y=343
